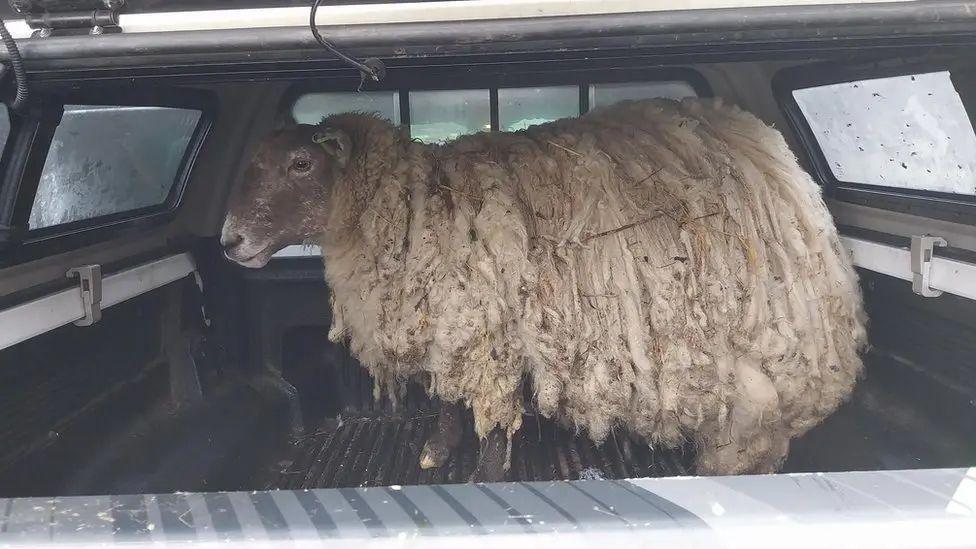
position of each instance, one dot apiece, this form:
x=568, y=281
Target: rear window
x=602, y=95
x=437, y=116
x=106, y=160
x=520, y=108
x=906, y=132
x=311, y=108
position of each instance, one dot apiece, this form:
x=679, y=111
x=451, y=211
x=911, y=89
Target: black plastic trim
x=46, y=116
x=403, y=96
x=493, y=108
x=20, y=140
x=732, y=30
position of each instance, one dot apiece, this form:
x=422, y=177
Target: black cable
x=20, y=75
x=372, y=67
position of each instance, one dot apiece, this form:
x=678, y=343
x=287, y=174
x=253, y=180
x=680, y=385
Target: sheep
x=658, y=267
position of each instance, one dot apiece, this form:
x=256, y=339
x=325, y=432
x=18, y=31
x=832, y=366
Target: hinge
x=922, y=247
x=49, y=17
x=90, y=284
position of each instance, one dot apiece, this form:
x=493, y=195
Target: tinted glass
x=105, y=160
x=4, y=126
x=519, y=108
x=608, y=94
x=311, y=108
x=439, y=116
x=909, y=132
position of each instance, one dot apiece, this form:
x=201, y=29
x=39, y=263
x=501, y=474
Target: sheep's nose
x=230, y=233
x=229, y=240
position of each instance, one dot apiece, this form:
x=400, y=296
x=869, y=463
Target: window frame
x=452, y=78
x=24, y=132
x=44, y=241
x=954, y=207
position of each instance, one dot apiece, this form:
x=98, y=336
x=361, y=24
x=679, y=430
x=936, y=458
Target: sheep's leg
x=491, y=458
x=759, y=454
x=445, y=438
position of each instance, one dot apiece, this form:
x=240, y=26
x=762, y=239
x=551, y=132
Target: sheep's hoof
x=491, y=458
x=761, y=453
x=444, y=439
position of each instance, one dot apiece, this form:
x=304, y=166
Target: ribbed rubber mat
x=385, y=450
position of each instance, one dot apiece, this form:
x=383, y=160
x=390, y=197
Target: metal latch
x=90, y=284
x=922, y=247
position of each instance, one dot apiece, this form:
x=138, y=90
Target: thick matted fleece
x=661, y=267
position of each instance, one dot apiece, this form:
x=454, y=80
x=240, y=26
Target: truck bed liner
x=371, y=450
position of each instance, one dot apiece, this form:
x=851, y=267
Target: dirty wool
x=663, y=268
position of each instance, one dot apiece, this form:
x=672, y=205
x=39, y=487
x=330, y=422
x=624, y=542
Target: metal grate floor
x=385, y=450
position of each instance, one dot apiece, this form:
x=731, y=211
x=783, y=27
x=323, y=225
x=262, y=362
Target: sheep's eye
x=301, y=165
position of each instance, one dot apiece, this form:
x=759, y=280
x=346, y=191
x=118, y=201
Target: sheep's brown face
x=283, y=197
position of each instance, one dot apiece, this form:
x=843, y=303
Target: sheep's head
x=283, y=198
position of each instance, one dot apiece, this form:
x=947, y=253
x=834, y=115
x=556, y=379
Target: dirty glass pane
x=311, y=108
x=909, y=132
x=519, y=108
x=439, y=116
x=602, y=95
x=105, y=160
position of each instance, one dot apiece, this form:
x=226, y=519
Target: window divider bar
x=493, y=108
x=403, y=95
x=584, y=98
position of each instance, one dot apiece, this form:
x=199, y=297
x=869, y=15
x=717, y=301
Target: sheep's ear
x=335, y=142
